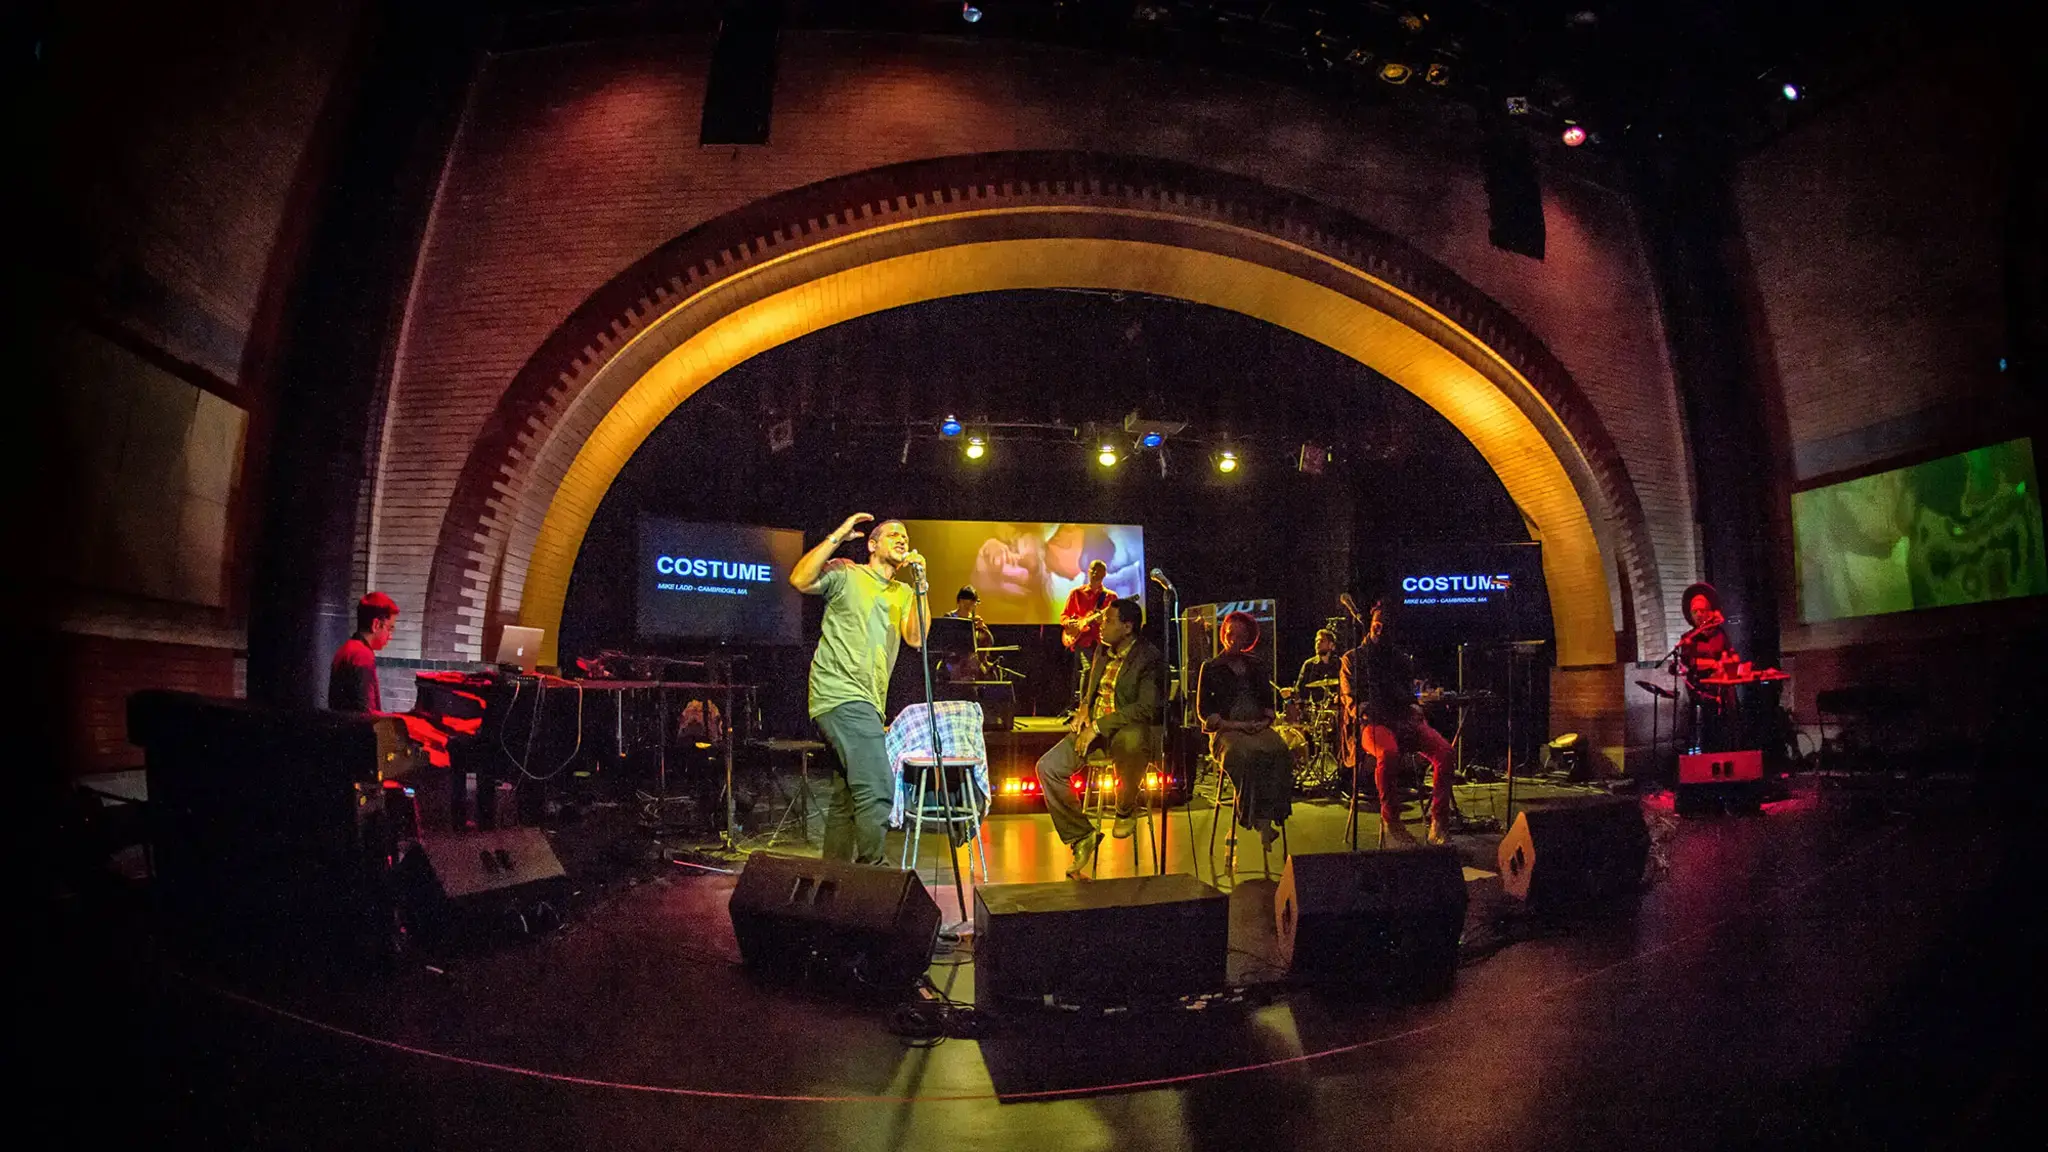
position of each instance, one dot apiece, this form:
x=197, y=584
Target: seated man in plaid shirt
x=1122, y=706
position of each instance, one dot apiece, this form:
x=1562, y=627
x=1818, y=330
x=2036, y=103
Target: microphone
x=1350, y=606
x=1159, y=578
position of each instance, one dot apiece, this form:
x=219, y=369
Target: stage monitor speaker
x=739, y=88
x=853, y=929
x=1100, y=942
x=1514, y=197
x=1577, y=852
x=507, y=864
x=1385, y=921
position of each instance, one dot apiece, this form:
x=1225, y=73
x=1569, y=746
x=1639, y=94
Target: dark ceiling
x=1624, y=69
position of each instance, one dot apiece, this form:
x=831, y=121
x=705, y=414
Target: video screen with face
x=718, y=582
x=1958, y=530
x=1024, y=571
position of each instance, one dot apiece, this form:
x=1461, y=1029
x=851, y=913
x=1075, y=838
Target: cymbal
x=1332, y=682
x=1655, y=689
x=1000, y=648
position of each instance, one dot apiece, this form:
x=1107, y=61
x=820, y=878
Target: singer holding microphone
x=869, y=614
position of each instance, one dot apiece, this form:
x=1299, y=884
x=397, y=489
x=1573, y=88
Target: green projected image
x=1957, y=530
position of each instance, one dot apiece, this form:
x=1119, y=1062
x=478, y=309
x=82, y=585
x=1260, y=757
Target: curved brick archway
x=799, y=261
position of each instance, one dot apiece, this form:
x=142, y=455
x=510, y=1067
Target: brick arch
x=792, y=263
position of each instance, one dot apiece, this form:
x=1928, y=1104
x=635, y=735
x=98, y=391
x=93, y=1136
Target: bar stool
x=1096, y=800
x=944, y=793
x=803, y=804
x=1240, y=799
x=1424, y=793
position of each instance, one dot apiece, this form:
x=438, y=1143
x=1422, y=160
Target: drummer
x=1317, y=680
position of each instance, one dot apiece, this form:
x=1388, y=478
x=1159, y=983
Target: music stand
x=951, y=642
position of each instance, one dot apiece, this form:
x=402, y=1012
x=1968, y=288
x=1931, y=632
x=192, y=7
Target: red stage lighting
x=1574, y=135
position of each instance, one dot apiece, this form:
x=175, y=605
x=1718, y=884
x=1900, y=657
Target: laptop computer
x=519, y=647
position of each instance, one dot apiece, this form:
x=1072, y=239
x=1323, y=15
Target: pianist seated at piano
x=352, y=675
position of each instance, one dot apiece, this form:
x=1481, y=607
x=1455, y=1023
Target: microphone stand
x=1171, y=717
x=921, y=589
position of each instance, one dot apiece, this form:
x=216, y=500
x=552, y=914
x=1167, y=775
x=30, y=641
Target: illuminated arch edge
x=737, y=280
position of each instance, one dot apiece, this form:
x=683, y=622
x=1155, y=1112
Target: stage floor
x=1828, y=973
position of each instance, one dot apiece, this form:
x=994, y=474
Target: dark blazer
x=1140, y=688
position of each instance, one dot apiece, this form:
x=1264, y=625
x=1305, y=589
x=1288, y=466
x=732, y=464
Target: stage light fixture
x=1517, y=105
x=970, y=13
x=1789, y=91
x=1107, y=456
x=1574, y=135
x=1150, y=432
x=1395, y=72
x=950, y=427
x=976, y=447
x=1226, y=461
x=1437, y=74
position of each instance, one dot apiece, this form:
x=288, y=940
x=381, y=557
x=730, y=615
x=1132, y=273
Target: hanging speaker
x=739, y=88
x=1514, y=197
x=854, y=930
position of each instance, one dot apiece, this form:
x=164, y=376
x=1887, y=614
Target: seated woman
x=1235, y=700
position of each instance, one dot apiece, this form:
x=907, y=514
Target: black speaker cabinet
x=1377, y=920
x=1578, y=852
x=853, y=929
x=1100, y=942
x=266, y=825
x=507, y=864
x=998, y=704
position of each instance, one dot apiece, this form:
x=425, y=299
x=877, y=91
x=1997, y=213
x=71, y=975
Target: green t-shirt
x=862, y=631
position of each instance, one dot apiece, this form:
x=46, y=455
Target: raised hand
x=850, y=527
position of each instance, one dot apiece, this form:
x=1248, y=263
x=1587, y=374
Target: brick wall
x=575, y=162
x=178, y=136
x=97, y=674
x=1878, y=230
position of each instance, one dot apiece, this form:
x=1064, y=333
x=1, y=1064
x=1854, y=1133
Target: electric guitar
x=1071, y=630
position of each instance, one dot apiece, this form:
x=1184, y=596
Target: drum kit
x=1311, y=726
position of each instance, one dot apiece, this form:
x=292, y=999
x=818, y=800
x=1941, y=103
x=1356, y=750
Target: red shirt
x=352, y=678
x=1080, y=602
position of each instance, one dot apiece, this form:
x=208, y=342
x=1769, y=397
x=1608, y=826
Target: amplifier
x=1715, y=781
x=1720, y=767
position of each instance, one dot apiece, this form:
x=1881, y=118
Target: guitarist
x=1081, y=623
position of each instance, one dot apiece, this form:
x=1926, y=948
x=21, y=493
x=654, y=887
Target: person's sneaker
x=1124, y=826
x=1396, y=834
x=1437, y=833
x=1084, y=856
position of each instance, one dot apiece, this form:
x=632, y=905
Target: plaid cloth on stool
x=959, y=735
